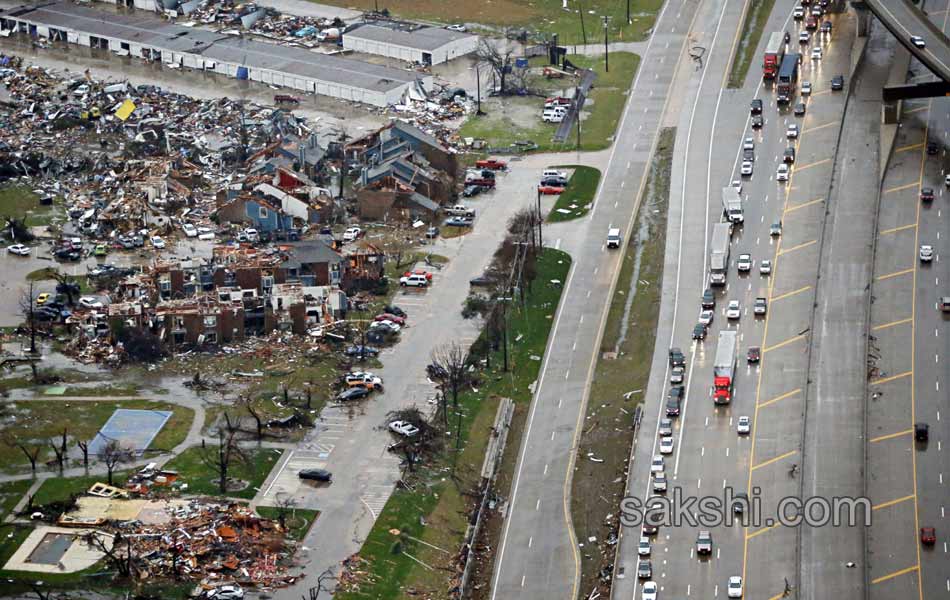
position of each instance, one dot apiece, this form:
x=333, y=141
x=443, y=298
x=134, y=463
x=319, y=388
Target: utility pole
x=606, y=52
x=578, y=118
x=478, y=89
x=504, y=329
x=628, y=13
x=580, y=11
x=540, y=219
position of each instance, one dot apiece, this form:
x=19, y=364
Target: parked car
x=157, y=242
x=414, y=281
x=472, y=190
x=90, y=302
x=459, y=222
x=550, y=190
x=386, y=324
x=226, y=592
x=351, y=234
x=42, y=298
x=19, y=250
x=395, y=310
x=189, y=230
x=391, y=317
x=363, y=379
x=432, y=233
x=361, y=351
x=353, y=393
x=403, y=428
x=316, y=475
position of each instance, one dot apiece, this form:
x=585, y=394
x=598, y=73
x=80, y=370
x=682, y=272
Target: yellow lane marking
x=914, y=110
x=798, y=247
x=895, y=574
x=891, y=436
x=804, y=204
x=910, y=147
x=782, y=397
x=774, y=460
x=892, y=502
x=749, y=536
x=810, y=165
x=896, y=229
x=907, y=186
x=789, y=294
x=891, y=324
x=785, y=343
x=895, y=274
x=891, y=378
x=817, y=127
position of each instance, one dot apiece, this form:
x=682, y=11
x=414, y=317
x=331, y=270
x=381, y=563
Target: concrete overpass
x=903, y=19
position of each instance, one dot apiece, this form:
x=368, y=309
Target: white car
x=206, y=236
x=816, y=53
x=351, y=234
x=225, y=592
x=806, y=88
x=746, y=168
x=765, y=267
x=737, y=183
x=386, y=323
x=403, y=428
x=734, y=589
x=457, y=27
x=926, y=253
x=364, y=379
x=733, y=311
x=666, y=445
x=659, y=483
x=918, y=41
x=816, y=11
x=157, y=242
x=649, y=591
x=744, y=425
x=657, y=465
x=643, y=548
x=782, y=173
x=744, y=264
x=706, y=317
x=792, y=131
x=799, y=12
x=190, y=230
x=803, y=37
x=748, y=144
x=90, y=302
x=19, y=250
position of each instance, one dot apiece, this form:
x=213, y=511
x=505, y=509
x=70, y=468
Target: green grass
x=40, y=420
x=10, y=494
x=443, y=504
x=19, y=201
x=203, y=479
x=59, y=489
x=518, y=119
x=757, y=14
x=579, y=192
x=608, y=425
x=299, y=520
x=124, y=389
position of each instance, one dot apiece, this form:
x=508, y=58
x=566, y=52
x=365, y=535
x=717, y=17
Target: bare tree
x=399, y=249
x=452, y=360
x=59, y=448
x=285, y=505
x=67, y=285
x=84, y=447
x=28, y=311
x=31, y=451
x=227, y=454
x=325, y=583
x=248, y=404
x=500, y=56
x=118, y=553
x=111, y=455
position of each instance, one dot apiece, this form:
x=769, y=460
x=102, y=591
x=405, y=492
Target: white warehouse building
x=142, y=35
x=413, y=43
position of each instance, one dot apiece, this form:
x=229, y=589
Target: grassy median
x=621, y=375
x=757, y=14
x=577, y=197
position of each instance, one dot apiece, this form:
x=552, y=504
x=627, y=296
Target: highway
x=904, y=20
x=710, y=455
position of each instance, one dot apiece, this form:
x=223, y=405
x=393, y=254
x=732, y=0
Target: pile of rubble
x=266, y=22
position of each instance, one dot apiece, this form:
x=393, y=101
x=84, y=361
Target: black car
x=757, y=122
x=753, y=354
x=395, y=310
x=789, y=155
x=379, y=336
x=67, y=254
x=46, y=314
x=677, y=358
x=699, y=331
x=756, y=106
x=799, y=109
x=837, y=83
x=354, y=393
x=709, y=298
x=921, y=432
x=740, y=502
x=826, y=27
x=432, y=233
x=554, y=181
x=644, y=569
x=361, y=351
x=472, y=190
x=748, y=154
x=672, y=407
x=932, y=148
x=316, y=475
x=480, y=281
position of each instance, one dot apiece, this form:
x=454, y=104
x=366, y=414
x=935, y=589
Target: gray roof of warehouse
x=149, y=31
x=426, y=38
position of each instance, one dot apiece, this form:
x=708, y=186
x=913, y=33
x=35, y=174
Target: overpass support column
x=863, y=17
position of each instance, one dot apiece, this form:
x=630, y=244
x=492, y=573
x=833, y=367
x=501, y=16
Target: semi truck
x=787, y=77
x=774, y=53
x=732, y=205
x=724, y=367
x=719, y=253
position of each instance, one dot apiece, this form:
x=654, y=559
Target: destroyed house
x=254, y=211
x=388, y=199
x=364, y=267
x=199, y=321
x=313, y=263
x=395, y=140
x=411, y=172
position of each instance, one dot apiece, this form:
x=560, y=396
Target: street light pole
x=478, y=90
x=504, y=330
x=606, y=53
x=540, y=242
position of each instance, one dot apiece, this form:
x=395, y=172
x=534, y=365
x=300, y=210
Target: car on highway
x=90, y=302
x=837, y=83
x=798, y=13
x=19, y=250
x=709, y=298
x=760, y=307
x=734, y=587
x=918, y=41
x=744, y=264
x=753, y=354
x=757, y=122
x=700, y=331
x=816, y=53
x=799, y=110
x=926, y=253
x=354, y=393
x=706, y=317
x=826, y=27
x=644, y=569
x=816, y=10
x=928, y=536
x=927, y=194
x=748, y=155
x=704, y=543
x=740, y=502
x=666, y=445
x=781, y=174
x=643, y=547
x=789, y=155
x=806, y=88
x=765, y=267
x=403, y=428
x=744, y=425
x=946, y=180
x=673, y=406
x=748, y=144
x=746, y=169
x=932, y=148
x=804, y=37
x=811, y=22
x=921, y=432
x=775, y=229
x=649, y=529
x=677, y=358
x=755, y=107
x=649, y=591
x=659, y=483
x=657, y=466
x=677, y=374
x=792, y=131
x=733, y=310
x=945, y=304
x=666, y=427
x=316, y=475
x=157, y=242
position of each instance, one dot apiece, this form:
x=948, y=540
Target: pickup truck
x=491, y=163
x=460, y=210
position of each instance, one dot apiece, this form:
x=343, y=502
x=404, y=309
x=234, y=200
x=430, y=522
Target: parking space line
x=891, y=378
x=803, y=205
x=817, y=127
x=782, y=397
x=774, y=460
x=892, y=502
x=891, y=324
x=896, y=229
x=895, y=574
x=894, y=274
x=891, y=436
x=798, y=247
x=785, y=343
x=749, y=536
x=910, y=147
x=906, y=186
x=817, y=163
x=792, y=293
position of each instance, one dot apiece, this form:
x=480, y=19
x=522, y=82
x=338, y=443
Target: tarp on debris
x=125, y=110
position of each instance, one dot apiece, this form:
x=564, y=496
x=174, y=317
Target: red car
x=811, y=22
x=419, y=272
x=928, y=536
x=926, y=194
x=390, y=317
x=753, y=355
x=550, y=190
x=491, y=163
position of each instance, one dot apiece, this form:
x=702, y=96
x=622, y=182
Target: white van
x=553, y=173
x=613, y=237
x=554, y=114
